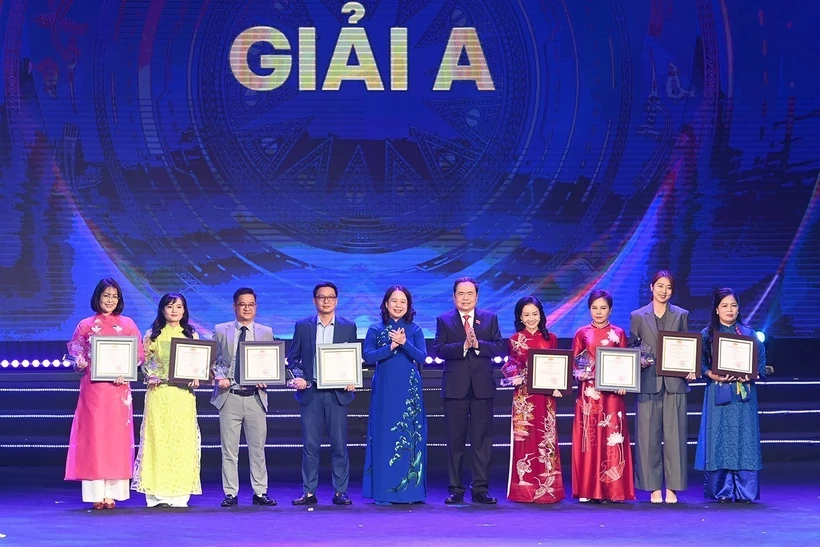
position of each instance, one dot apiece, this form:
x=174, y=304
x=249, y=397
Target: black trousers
x=477, y=416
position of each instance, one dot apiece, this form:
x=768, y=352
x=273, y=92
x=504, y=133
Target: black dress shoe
x=484, y=498
x=724, y=500
x=740, y=500
x=229, y=501
x=163, y=505
x=341, y=498
x=305, y=499
x=263, y=500
x=454, y=499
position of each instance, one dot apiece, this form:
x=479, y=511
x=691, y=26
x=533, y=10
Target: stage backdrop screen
x=544, y=147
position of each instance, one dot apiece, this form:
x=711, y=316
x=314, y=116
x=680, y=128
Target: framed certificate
x=261, y=363
x=338, y=365
x=734, y=355
x=618, y=368
x=548, y=370
x=112, y=357
x=191, y=360
x=678, y=354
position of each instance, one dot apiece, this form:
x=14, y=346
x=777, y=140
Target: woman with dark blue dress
x=729, y=438
x=395, y=469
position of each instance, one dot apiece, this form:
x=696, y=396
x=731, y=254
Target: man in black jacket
x=468, y=339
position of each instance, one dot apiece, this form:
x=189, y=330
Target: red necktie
x=467, y=323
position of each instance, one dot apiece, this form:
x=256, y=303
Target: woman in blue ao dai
x=395, y=469
x=728, y=450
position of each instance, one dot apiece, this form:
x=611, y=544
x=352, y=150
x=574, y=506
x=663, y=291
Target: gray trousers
x=660, y=417
x=234, y=413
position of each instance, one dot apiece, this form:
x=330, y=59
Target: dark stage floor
x=34, y=510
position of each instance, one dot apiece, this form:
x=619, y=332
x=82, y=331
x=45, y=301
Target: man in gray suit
x=660, y=416
x=238, y=406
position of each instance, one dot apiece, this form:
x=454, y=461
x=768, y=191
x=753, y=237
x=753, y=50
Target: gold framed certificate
x=679, y=354
x=112, y=357
x=734, y=355
x=191, y=360
x=261, y=362
x=549, y=370
x=338, y=365
x=618, y=369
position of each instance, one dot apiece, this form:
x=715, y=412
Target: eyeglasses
x=246, y=306
x=110, y=297
x=326, y=298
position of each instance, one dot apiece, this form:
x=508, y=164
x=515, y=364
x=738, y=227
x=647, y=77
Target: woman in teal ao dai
x=395, y=469
x=729, y=438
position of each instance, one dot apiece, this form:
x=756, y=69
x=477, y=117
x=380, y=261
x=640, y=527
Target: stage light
x=506, y=358
x=438, y=360
x=761, y=336
x=46, y=362
x=497, y=359
x=35, y=363
x=4, y=363
x=429, y=360
x=15, y=363
x=25, y=363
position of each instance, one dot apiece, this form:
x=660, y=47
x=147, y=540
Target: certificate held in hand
x=191, y=360
x=678, y=354
x=618, y=369
x=549, y=370
x=338, y=365
x=261, y=362
x=113, y=357
x=734, y=355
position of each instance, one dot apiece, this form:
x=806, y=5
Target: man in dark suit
x=468, y=339
x=321, y=406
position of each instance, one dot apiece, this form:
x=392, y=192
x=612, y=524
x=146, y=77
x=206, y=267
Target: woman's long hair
x=714, y=319
x=159, y=322
x=542, y=322
x=720, y=294
x=408, y=315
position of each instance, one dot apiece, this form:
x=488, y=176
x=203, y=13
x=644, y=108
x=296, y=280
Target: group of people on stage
x=468, y=339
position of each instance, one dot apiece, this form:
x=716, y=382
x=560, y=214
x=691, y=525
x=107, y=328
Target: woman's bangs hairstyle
x=542, y=321
x=159, y=321
x=409, y=315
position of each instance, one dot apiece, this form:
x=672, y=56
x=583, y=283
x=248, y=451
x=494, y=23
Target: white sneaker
x=583, y=500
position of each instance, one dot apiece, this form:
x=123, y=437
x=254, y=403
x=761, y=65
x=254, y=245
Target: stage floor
x=35, y=510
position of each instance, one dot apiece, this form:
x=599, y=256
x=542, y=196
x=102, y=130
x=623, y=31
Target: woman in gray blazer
x=660, y=416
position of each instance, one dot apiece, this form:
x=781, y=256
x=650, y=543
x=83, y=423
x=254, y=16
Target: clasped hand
x=471, y=341
x=397, y=338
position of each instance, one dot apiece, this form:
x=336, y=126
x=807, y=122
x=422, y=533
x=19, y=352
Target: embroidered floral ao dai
x=535, y=464
x=101, y=446
x=601, y=455
x=396, y=454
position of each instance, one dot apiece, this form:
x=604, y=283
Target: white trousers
x=97, y=491
x=173, y=501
